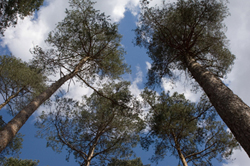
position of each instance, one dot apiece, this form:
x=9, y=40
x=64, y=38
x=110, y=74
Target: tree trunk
x=232, y=110
x=183, y=160
x=11, y=97
x=90, y=155
x=177, y=147
x=10, y=130
x=91, y=151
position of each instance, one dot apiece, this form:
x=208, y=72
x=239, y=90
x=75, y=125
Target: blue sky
x=30, y=32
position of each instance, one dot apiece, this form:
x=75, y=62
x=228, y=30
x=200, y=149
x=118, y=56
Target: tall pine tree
x=96, y=129
x=189, y=36
x=85, y=45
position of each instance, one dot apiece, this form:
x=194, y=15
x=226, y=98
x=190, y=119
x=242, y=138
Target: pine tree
x=189, y=36
x=19, y=162
x=185, y=130
x=96, y=129
x=19, y=83
x=85, y=45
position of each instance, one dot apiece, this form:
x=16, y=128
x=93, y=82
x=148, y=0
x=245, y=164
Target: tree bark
x=232, y=110
x=10, y=130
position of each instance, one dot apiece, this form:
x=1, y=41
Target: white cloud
x=239, y=34
x=241, y=159
x=76, y=90
x=182, y=86
x=153, y=3
x=148, y=65
x=135, y=90
x=30, y=31
x=117, y=8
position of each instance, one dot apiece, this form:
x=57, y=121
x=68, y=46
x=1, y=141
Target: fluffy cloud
x=33, y=31
x=241, y=159
x=182, y=86
x=134, y=85
x=116, y=8
x=148, y=65
x=239, y=33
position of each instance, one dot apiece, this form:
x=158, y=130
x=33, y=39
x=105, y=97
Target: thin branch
x=101, y=94
x=68, y=144
x=197, y=153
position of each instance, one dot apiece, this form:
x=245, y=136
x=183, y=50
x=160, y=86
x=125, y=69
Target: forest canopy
x=78, y=94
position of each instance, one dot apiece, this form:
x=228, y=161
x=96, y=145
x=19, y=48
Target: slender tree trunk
x=91, y=151
x=232, y=110
x=183, y=160
x=90, y=155
x=11, y=97
x=177, y=147
x=10, y=130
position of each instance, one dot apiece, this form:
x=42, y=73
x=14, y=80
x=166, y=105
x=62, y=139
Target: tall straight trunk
x=9, y=98
x=10, y=130
x=232, y=110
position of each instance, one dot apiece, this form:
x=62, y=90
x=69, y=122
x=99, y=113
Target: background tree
x=84, y=45
x=18, y=162
x=19, y=83
x=133, y=162
x=189, y=132
x=189, y=36
x=96, y=129
x=11, y=10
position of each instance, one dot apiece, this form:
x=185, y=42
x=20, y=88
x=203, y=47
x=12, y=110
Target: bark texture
x=11, y=129
x=232, y=110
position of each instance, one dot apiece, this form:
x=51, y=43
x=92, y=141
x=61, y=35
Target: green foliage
x=178, y=125
x=133, y=162
x=20, y=80
x=19, y=162
x=95, y=129
x=188, y=28
x=12, y=9
x=14, y=147
x=85, y=33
